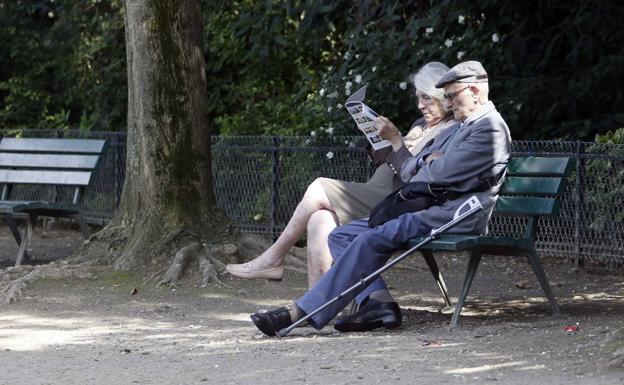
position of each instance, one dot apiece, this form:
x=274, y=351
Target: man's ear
x=476, y=93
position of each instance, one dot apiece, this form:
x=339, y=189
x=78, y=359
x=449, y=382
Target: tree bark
x=167, y=200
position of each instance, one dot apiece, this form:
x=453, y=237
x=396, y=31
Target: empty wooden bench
x=532, y=189
x=27, y=163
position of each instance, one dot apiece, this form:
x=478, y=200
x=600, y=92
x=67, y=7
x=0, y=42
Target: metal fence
x=259, y=180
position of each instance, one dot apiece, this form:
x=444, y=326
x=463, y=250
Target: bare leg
x=320, y=224
x=313, y=200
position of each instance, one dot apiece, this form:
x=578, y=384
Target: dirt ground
x=95, y=331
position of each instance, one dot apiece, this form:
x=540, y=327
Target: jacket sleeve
x=483, y=145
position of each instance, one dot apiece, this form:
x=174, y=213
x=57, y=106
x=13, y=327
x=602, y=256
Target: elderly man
x=468, y=159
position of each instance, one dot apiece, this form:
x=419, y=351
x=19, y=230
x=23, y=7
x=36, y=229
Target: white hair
x=427, y=76
x=484, y=90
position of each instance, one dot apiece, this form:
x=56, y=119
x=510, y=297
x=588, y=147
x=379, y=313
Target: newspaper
x=364, y=117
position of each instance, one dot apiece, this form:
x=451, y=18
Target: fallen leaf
x=523, y=284
x=432, y=343
x=571, y=328
x=134, y=291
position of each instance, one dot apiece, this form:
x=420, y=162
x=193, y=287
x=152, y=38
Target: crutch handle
x=473, y=205
x=472, y=202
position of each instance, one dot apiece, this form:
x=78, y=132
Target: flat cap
x=466, y=72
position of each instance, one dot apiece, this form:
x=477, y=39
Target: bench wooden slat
x=42, y=208
x=540, y=166
x=527, y=206
x=542, y=186
x=76, y=162
x=455, y=242
x=77, y=146
x=68, y=178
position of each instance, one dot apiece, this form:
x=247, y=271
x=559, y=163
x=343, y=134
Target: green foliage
x=62, y=64
x=284, y=67
x=554, y=64
x=612, y=137
x=605, y=180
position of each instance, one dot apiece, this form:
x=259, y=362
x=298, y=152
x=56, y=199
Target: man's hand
x=433, y=156
x=388, y=131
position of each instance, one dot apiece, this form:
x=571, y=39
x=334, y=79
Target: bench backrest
x=533, y=187
x=35, y=161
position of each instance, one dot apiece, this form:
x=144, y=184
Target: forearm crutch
x=473, y=205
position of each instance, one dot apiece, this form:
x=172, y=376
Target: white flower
x=374, y=69
x=350, y=72
x=312, y=133
x=358, y=79
x=403, y=85
x=495, y=38
x=330, y=130
x=329, y=109
x=357, y=55
x=338, y=105
x=50, y=14
x=518, y=106
x=329, y=155
x=448, y=43
x=460, y=19
x=322, y=91
x=348, y=84
x=333, y=95
x=460, y=54
x=428, y=30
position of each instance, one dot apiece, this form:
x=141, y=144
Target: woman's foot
x=252, y=270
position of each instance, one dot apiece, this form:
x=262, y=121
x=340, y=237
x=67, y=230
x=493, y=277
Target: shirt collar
x=478, y=113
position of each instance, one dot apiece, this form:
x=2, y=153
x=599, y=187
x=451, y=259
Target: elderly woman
x=329, y=202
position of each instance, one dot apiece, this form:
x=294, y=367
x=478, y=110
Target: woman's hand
x=388, y=131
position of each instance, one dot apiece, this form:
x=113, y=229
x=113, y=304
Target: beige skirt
x=356, y=200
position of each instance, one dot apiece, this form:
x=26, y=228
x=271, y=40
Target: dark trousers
x=358, y=250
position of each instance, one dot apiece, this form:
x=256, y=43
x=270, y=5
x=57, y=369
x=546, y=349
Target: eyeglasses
x=453, y=95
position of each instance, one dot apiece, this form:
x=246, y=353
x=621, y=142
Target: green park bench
x=54, y=164
x=532, y=189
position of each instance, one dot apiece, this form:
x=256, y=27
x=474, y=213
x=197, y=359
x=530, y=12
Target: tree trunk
x=167, y=201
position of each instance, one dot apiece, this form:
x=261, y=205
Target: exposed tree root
x=15, y=280
x=180, y=262
x=167, y=254
x=209, y=259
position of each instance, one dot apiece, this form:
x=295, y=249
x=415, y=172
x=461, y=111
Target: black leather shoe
x=372, y=315
x=270, y=322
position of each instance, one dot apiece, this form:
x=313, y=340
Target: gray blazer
x=477, y=150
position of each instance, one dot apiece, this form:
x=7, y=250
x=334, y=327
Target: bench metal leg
x=10, y=221
x=543, y=280
x=473, y=264
x=31, y=220
x=83, y=225
x=433, y=266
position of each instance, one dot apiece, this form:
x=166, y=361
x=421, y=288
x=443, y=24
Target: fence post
x=578, y=202
x=274, y=185
x=116, y=176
